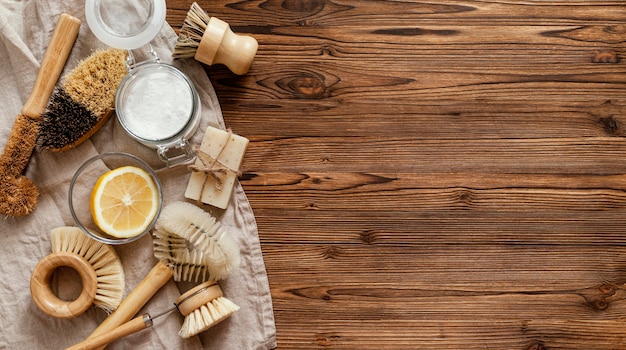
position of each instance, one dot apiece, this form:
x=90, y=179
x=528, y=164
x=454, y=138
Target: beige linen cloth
x=25, y=30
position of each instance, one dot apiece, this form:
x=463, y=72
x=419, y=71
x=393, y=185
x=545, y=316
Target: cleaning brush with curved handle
x=18, y=194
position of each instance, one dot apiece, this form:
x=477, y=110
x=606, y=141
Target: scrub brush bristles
x=191, y=32
x=207, y=316
x=203, y=306
x=84, y=101
x=103, y=259
x=193, y=243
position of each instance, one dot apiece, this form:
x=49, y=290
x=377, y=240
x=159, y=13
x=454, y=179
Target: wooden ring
x=200, y=295
x=41, y=289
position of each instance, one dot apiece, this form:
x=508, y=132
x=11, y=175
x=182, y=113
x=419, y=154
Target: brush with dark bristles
x=210, y=41
x=84, y=102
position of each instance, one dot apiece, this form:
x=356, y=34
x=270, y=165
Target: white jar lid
x=124, y=24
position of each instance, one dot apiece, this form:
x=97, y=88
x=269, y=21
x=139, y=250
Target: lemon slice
x=124, y=201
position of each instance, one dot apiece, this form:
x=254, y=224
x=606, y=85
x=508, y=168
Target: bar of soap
x=228, y=149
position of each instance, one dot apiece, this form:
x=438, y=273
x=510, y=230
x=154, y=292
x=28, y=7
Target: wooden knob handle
x=63, y=37
x=220, y=45
x=135, y=325
x=201, y=294
x=41, y=289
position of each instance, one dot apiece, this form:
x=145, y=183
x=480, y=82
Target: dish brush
x=210, y=40
x=18, y=194
x=98, y=265
x=84, y=101
x=203, y=307
x=206, y=251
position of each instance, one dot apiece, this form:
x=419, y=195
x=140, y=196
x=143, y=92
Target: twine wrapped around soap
x=212, y=167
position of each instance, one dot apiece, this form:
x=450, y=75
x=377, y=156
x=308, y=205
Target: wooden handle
x=42, y=293
x=63, y=38
x=135, y=325
x=156, y=278
x=220, y=45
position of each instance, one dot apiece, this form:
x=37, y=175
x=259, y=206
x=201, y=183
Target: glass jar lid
x=124, y=24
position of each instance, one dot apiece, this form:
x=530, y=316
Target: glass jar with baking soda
x=156, y=103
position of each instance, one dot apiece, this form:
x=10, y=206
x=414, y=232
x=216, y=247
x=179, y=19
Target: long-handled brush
x=84, y=102
x=202, y=306
x=18, y=194
x=98, y=265
x=210, y=40
x=206, y=243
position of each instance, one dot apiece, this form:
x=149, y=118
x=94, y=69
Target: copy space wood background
x=440, y=174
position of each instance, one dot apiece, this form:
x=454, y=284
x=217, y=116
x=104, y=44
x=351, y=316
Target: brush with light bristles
x=203, y=307
x=210, y=41
x=84, y=101
x=191, y=246
x=98, y=265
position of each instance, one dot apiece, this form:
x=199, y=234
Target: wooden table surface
x=441, y=174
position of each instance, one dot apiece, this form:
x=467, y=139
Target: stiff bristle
x=64, y=122
x=94, y=82
x=18, y=196
x=207, y=316
x=20, y=145
x=191, y=32
x=186, y=265
x=86, y=96
x=102, y=257
x=188, y=237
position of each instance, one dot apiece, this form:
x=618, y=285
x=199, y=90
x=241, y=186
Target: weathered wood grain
x=435, y=175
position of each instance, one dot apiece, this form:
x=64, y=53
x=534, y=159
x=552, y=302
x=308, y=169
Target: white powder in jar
x=158, y=105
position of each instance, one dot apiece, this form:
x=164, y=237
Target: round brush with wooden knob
x=210, y=41
x=203, y=307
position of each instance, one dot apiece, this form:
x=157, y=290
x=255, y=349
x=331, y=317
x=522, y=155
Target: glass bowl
x=84, y=181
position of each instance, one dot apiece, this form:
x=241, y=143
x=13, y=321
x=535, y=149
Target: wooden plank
x=443, y=174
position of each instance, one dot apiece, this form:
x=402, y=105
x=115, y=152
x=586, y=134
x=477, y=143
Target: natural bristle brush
x=202, y=306
x=210, y=41
x=98, y=265
x=84, y=101
x=192, y=246
x=18, y=194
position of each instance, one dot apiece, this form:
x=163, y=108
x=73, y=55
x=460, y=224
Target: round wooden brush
x=18, y=194
x=203, y=307
x=84, y=102
x=98, y=265
x=198, y=228
x=210, y=41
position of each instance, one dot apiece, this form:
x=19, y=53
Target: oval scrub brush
x=18, y=194
x=203, y=307
x=98, y=265
x=84, y=101
x=204, y=242
x=210, y=40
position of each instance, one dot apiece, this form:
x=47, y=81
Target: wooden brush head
x=84, y=102
x=220, y=45
x=201, y=294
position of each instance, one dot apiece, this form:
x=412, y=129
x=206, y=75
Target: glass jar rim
x=125, y=40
